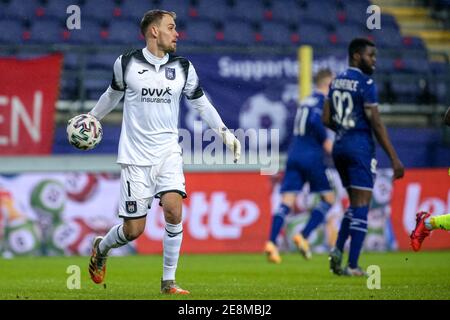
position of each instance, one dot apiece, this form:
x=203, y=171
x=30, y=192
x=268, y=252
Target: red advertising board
x=421, y=190
x=224, y=212
x=28, y=93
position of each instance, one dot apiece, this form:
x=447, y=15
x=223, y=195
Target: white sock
x=115, y=238
x=428, y=224
x=173, y=236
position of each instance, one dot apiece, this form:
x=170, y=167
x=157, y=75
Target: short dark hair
x=321, y=75
x=154, y=16
x=358, y=45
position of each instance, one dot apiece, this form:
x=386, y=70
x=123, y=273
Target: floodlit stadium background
x=54, y=199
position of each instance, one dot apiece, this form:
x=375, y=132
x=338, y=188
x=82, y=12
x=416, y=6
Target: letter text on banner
x=28, y=94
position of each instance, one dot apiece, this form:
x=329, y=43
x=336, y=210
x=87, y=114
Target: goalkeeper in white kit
x=152, y=81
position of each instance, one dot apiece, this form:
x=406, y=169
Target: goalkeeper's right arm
x=107, y=102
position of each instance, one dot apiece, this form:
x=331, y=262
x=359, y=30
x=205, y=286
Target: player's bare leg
x=173, y=236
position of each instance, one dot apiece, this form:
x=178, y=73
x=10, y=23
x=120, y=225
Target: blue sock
x=358, y=230
x=316, y=218
x=344, y=230
x=278, y=221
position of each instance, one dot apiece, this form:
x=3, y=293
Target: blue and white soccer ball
x=84, y=131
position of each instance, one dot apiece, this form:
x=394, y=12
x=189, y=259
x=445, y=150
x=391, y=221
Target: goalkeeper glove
x=231, y=142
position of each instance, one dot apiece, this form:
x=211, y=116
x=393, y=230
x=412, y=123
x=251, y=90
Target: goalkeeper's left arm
x=210, y=115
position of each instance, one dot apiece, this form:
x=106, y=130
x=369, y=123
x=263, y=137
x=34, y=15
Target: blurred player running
x=305, y=164
x=352, y=112
x=152, y=81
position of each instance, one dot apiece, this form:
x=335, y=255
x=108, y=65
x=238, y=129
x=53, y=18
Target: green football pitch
x=403, y=275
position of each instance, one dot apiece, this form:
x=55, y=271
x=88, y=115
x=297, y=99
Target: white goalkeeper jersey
x=153, y=88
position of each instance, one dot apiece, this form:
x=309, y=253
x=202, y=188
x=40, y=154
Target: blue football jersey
x=309, y=131
x=349, y=93
x=305, y=156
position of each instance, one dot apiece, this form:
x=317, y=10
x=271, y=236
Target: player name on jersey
x=345, y=84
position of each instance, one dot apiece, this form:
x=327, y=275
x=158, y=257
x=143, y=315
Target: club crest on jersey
x=170, y=73
x=131, y=206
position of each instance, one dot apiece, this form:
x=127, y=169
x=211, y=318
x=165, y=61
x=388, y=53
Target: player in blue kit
x=351, y=110
x=305, y=164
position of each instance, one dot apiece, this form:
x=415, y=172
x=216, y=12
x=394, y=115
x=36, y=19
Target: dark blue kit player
x=305, y=165
x=351, y=110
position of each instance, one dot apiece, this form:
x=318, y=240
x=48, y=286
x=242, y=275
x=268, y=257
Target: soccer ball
x=84, y=131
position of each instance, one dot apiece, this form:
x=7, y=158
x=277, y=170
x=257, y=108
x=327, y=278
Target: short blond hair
x=321, y=75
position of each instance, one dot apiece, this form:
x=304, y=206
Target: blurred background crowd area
x=414, y=39
x=413, y=70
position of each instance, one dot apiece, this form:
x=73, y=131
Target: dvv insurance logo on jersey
x=156, y=95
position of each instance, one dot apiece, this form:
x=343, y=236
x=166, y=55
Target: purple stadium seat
x=239, y=33
x=275, y=33
x=217, y=10
x=439, y=68
x=414, y=43
x=90, y=32
x=322, y=12
x=313, y=34
x=347, y=32
x=104, y=61
x=388, y=20
x=199, y=32
x=415, y=65
x=385, y=65
x=135, y=9
x=47, y=31
x=181, y=8
x=440, y=90
x=405, y=89
x=95, y=87
x=58, y=8
x=124, y=32
x=101, y=10
x=286, y=10
x=68, y=89
x=15, y=31
x=248, y=10
x=356, y=11
x=71, y=61
x=388, y=37
x=18, y=9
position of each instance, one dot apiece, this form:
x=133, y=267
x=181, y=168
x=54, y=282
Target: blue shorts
x=357, y=170
x=299, y=172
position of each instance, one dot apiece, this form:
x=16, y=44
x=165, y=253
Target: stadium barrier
x=60, y=213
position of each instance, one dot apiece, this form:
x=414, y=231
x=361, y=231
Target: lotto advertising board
x=60, y=213
x=421, y=190
x=224, y=212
